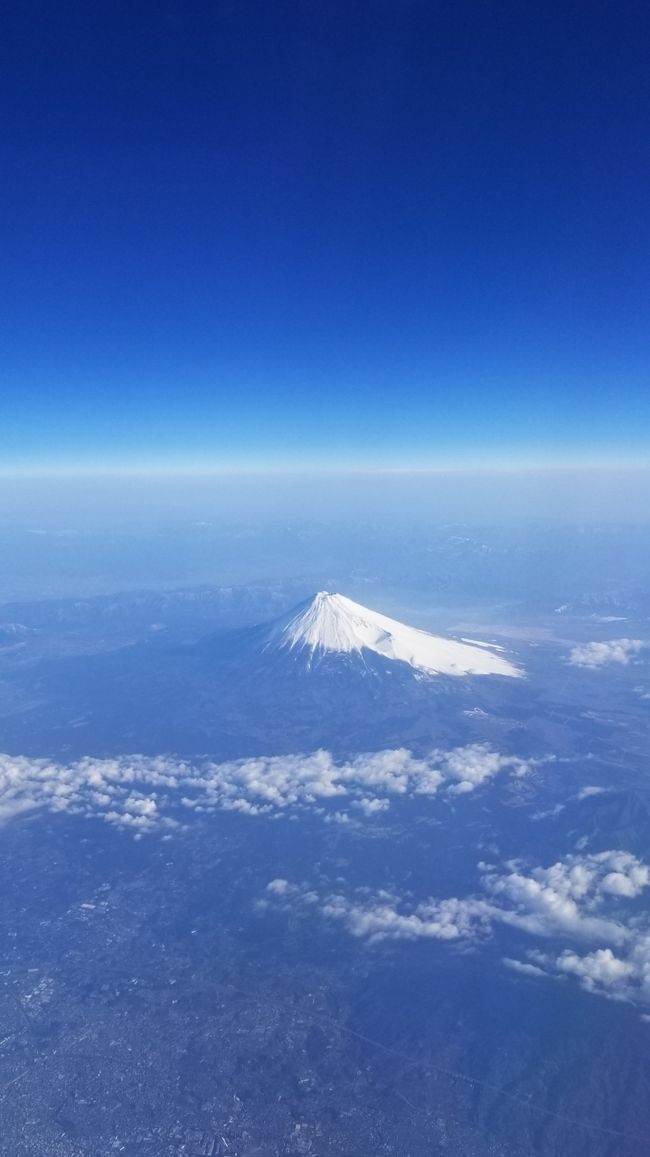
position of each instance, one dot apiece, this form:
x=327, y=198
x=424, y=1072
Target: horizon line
x=211, y=469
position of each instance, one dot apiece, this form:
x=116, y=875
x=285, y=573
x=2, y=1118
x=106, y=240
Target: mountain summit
x=335, y=624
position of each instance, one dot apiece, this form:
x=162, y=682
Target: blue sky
x=387, y=234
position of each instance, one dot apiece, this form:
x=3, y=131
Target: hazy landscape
x=266, y=893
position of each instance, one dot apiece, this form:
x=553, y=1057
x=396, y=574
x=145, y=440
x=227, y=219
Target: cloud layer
x=581, y=903
x=144, y=792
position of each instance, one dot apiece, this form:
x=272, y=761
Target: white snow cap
x=331, y=622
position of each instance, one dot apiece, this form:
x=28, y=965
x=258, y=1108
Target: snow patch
x=334, y=623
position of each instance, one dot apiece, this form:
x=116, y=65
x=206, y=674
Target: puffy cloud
x=595, y=655
x=278, y=887
x=600, y=969
x=382, y=919
x=523, y=966
x=370, y=807
x=566, y=897
x=576, y=899
x=620, y=975
x=618, y=967
x=143, y=792
x=469, y=767
x=381, y=915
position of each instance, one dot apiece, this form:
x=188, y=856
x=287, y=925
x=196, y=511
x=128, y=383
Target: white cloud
x=371, y=807
x=471, y=766
x=620, y=975
x=381, y=915
x=160, y=790
x=278, y=887
x=595, y=655
x=449, y=919
x=577, y=899
x=599, y=969
x=566, y=898
x=523, y=967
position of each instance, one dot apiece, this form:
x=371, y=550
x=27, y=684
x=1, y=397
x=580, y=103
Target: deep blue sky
x=263, y=232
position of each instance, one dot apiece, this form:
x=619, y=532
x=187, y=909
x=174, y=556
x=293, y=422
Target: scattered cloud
x=141, y=792
x=566, y=898
x=523, y=967
x=382, y=915
x=371, y=807
x=600, y=969
x=585, y=904
x=593, y=655
x=578, y=899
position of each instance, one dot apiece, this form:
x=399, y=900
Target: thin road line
x=494, y=1089
x=13, y=1080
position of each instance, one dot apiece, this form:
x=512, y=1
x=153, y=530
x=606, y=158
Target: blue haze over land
x=247, y=887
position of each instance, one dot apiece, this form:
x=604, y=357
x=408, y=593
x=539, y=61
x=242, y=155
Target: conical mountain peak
x=331, y=622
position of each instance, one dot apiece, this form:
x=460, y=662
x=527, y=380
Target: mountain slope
x=332, y=623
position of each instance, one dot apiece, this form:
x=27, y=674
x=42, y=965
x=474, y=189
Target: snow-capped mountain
x=329, y=673
x=332, y=623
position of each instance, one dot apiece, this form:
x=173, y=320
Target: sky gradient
x=341, y=234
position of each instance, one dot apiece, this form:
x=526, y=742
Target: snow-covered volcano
x=333, y=623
